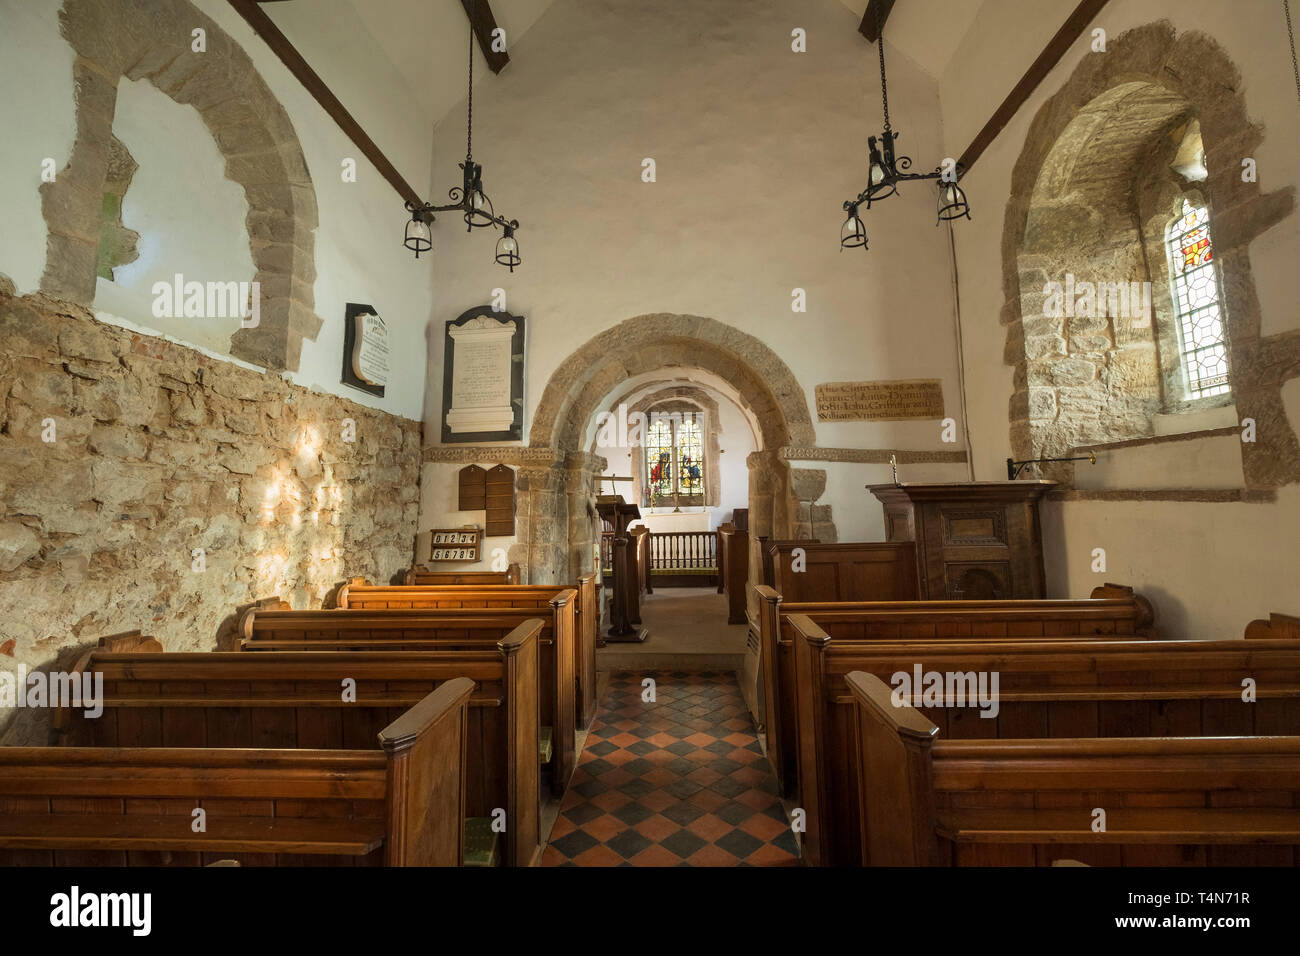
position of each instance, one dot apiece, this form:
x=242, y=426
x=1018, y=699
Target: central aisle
x=680, y=781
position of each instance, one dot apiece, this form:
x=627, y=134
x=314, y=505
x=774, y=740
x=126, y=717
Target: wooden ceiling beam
x=1056, y=48
x=877, y=12
x=265, y=28
x=481, y=19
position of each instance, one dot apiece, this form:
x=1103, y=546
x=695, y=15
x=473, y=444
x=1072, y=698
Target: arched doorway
x=559, y=539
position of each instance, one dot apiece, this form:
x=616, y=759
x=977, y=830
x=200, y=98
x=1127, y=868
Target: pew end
x=896, y=801
x=1278, y=627
x=1146, y=620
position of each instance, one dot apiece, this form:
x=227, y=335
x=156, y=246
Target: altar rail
x=677, y=558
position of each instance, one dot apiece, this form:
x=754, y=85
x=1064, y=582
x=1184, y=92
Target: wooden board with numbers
x=500, y=501
x=473, y=489
x=456, y=544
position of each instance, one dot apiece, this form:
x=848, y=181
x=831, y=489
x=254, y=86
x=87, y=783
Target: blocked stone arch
x=1150, y=79
x=560, y=496
x=153, y=41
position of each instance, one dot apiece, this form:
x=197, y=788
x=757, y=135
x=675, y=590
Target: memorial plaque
x=483, y=376
x=365, y=349
x=879, y=401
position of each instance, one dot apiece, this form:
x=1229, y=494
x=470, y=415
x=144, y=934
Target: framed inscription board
x=365, y=349
x=879, y=401
x=483, y=377
x=456, y=544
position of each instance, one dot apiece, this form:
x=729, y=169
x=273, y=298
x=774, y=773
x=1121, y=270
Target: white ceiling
x=926, y=31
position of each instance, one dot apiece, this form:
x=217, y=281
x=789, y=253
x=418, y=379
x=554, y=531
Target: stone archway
x=253, y=133
x=1162, y=77
x=699, y=398
x=556, y=500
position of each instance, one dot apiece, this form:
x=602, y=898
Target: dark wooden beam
x=290, y=57
x=484, y=23
x=1056, y=48
x=874, y=17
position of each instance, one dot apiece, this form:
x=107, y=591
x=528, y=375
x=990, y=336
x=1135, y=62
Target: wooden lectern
x=976, y=540
x=625, y=610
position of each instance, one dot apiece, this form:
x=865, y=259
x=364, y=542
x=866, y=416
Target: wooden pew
x=424, y=576
x=856, y=571
x=586, y=610
x=132, y=806
x=1113, y=611
x=441, y=628
x=296, y=700
x=928, y=801
x=1060, y=688
x=733, y=571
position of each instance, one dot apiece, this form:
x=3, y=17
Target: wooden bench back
x=859, y=571
x=438, y=628
x=1045, y=689
x=586, y=610
x=926, y=801
x=1112, y=611
x=425, y=576
x=295, y=699
x=400, y=806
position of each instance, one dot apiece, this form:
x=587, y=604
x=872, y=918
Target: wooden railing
x=682, y=550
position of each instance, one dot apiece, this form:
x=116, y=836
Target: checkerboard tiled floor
x=681, y=781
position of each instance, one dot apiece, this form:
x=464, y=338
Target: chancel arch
x=591, y=379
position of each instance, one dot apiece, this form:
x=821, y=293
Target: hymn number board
x=492, y=492
x=456, y=544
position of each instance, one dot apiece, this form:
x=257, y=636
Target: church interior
x=619, y=433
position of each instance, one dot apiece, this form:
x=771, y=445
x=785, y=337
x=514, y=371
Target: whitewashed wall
x=191, y=217
x=756, y=148
x=1209, y=568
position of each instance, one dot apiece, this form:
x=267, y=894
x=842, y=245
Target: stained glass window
x=674, y=460
x=690, y=457
x=659, y=457
x=1203, y=344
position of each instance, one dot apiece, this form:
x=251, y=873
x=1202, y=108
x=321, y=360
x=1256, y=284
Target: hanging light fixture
x=887, y=170
x=468, y=198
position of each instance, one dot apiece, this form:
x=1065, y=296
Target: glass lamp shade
x=853, y=234
x=418, y=239
x=952, y=202
x=508, y=249
x=480, y=213
x=877, y=174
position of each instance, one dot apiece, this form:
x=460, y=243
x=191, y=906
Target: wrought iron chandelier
x=888, y=170
x=467, y=198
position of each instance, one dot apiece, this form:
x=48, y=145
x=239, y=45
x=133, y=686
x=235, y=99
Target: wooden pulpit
x=976, y=540
x=625, y=609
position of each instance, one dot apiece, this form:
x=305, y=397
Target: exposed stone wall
x=1084, y=199
x=158, y=450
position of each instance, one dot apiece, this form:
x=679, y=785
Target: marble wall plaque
x=483, y=377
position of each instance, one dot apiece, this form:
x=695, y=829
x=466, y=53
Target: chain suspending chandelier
x=888, y=170
x=467, y=198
